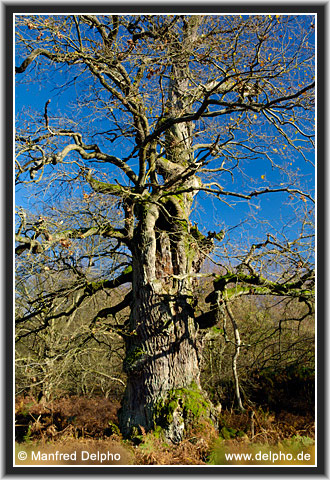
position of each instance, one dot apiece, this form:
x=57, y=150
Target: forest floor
x=79, y=430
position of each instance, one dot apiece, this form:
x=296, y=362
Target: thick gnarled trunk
x=162, y=348
x=161, y=357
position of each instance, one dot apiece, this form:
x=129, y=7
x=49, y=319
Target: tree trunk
x=162, y=361
x=162, y=348
x=161, y=358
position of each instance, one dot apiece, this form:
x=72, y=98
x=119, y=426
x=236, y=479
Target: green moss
x=227, y=432
x=127, y=270
x=135, y=358
x=103, y=187
x=158, y=432
x=179, y=199
x=240, y=290
x=257, y=285
x=134, y=355
x=217, y=331
x=195, y=402
x=93, y=287
x=189, y=400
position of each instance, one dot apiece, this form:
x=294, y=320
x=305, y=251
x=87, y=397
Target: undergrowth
x=75, y=423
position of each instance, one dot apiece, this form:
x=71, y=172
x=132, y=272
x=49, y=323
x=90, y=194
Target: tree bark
x=162, y=362
x=162, y=348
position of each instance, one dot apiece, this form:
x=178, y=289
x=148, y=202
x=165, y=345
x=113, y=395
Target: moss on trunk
x=180, y=411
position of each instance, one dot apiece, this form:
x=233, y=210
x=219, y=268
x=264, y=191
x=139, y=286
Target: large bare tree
x=167, y=108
